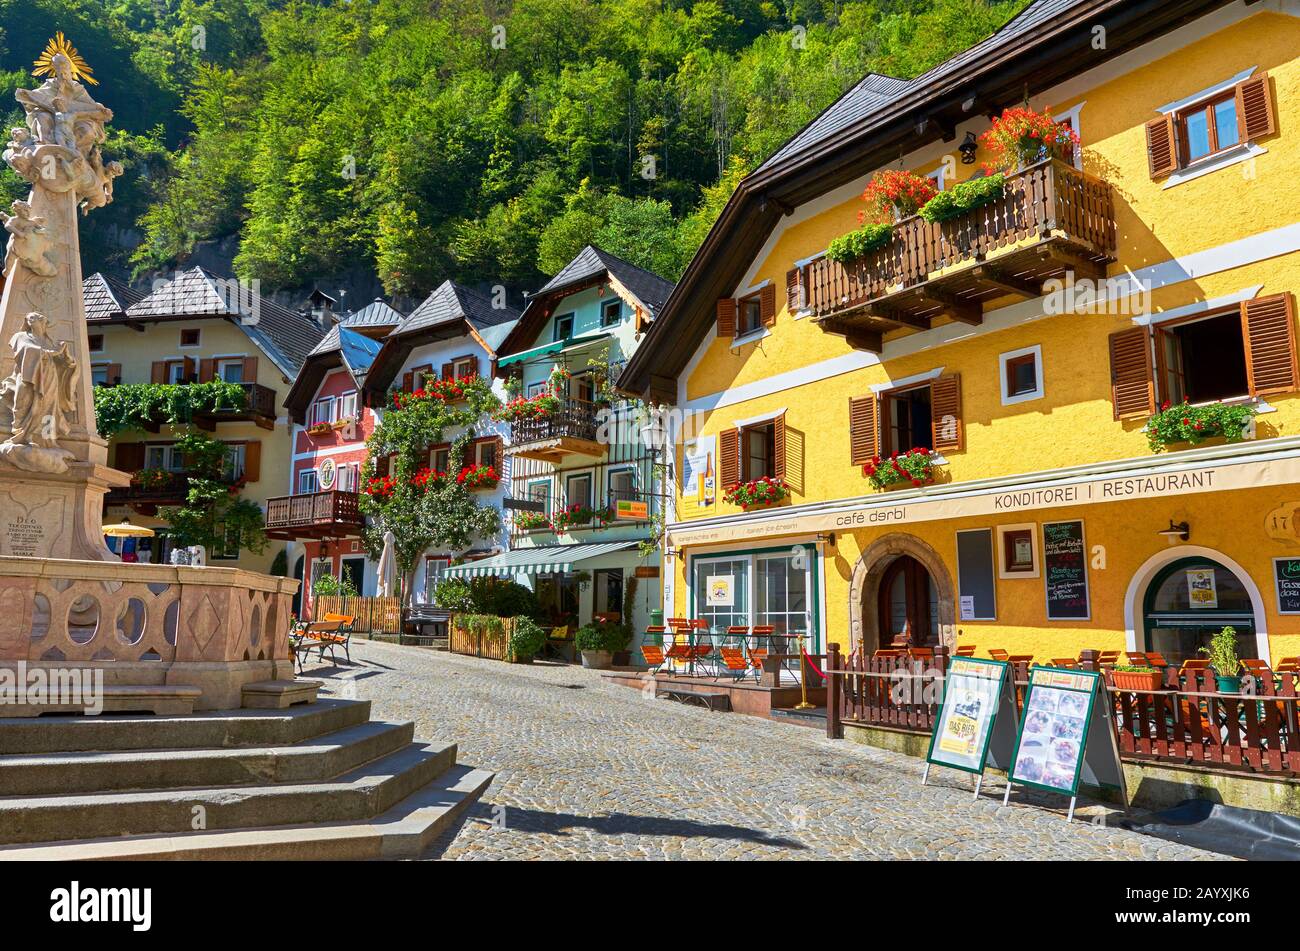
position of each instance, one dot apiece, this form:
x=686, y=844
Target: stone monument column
x=53, y=463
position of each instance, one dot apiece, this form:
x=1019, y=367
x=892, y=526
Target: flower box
x=757, y=493
x=542, y=406
x=1193, y=425
x=578, y=516
x=913, y=468
x=320, y=429
x=532, y=522
x=1138, y=678
x=478, y=477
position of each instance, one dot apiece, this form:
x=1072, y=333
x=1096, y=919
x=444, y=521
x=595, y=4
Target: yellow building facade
x=1050, y=524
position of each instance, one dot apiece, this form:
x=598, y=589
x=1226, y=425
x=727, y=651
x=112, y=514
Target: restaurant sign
x=929, y=506
x=631, y=509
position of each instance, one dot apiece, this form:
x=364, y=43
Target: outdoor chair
x=679, y=652
x=1195, y=663
x=965, y=650
x=756, y=657
x=559, y=644
x=998, y=653
x=1108, y=657
x=656, y=633
x=920, y=653
x=733, y=659
x=1025, y=659
x=340, y=636
x=654, y=657
x=888, y=652
x=1156, y=659
x=1067, y=662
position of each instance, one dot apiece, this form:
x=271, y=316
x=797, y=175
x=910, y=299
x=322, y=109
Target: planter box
x=1138, y=680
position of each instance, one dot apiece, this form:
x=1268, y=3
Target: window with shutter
x=1255, y=108
x=767, y=305
x=864, y=438
x=729, y=457
x=158, y=372
x=727, y=317
x=207, y=369
x=1132, y=389
x=795, y=289
x=129, y=456
x=778, y=448
x=1201, y=359
x=250, y=370
x=1268, y=327
x=945, y=414
x=253, y=460
x=907, y=419
x=1162, y=152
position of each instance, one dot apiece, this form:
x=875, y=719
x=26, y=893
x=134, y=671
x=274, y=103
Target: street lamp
x=654, y=434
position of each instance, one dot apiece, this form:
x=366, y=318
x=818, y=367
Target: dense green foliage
x=486, y=595
x=214, y=514
x=432, y=139
x=964, y=197
x=857, y=243
x=138, y=405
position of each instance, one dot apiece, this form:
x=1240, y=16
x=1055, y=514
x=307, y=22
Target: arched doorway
x=1191, y=599
x=879, y=601
x=908, y=599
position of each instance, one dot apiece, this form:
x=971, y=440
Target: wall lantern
x=654, y=434
x=1181, y=531
x=967, y=149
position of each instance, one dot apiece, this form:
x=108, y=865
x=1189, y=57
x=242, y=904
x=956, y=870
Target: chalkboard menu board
x=1065, y=571
x=1286, y=579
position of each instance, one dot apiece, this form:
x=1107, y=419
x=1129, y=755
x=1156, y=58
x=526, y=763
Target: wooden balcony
x=169, y=492
x=1051, y=219
x=570, y=431
x=331, y=514
x=259, y=408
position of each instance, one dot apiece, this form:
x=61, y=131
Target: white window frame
x=236, y=462
x=172, y=460
x=220, y=364
x=303, y=487
x=939, y=176
x=316, y=415
x=470, y=363
x=175, y=371
x=610, y=474
x=346, y=407
x=1037, y=392
x=433, y=457
x=1071, y=116
x=348, y=477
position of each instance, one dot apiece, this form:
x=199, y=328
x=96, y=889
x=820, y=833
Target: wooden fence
x=1187, y=722
x=373, y=615
x=480, y=635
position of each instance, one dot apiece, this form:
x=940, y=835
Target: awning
x=545, y=559
x=571, y=343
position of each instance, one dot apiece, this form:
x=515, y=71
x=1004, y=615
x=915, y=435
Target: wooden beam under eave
x=859, y=338
x=1081, y=266
x=962, y=311
x=900, y=317
x=1008, y=283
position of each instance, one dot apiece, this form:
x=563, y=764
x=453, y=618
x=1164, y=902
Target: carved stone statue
x=38, y=400
x=28, y=241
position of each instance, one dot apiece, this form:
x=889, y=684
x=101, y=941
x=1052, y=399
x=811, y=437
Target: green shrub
x=855, y=244
x=603, y=637
x=329, y=585
x=527, y=639
x=1223, y=652
x=964, y=197
x=486, y=595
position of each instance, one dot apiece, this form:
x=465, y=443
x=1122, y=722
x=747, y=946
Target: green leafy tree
x=214, y=514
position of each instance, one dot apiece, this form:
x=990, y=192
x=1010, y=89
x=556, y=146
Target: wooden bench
x=709, y=699
x=334, y=631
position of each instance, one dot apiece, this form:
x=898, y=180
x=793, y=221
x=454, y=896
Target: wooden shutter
x=158, y=372
x=796, y=294
x=729, y=457
x=129, y=456
x=207, y=370
x=408, y=382
x=252, y=460
x=1268, y=328
x=864, y=437
x=476, y=365
x=1162, y=147
x=188, y=370
x=250, y=369
x=1255, y=115
x=778, y=448
x=114, y=374
x=946, y=425
x=1132, y=389
x=727, y=317
x=767, y=305
x=499, y=455
x=448, y=371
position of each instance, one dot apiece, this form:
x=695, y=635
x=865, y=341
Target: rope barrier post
x=803, y=704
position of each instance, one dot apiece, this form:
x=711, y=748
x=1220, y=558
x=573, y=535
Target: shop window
x=749, y=315
x=190, y=337
x=776, y=589
x=1022, y=375
x=611, y=312
x=563, y=327
x=1202, y=360
x=907, y=420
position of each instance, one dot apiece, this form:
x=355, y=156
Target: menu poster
x=1065, y=571
x=1065, y=734
x=1201, y=589
x=974, y=692
x=1286, y=580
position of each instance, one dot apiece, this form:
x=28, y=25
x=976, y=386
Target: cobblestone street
x=591, y=771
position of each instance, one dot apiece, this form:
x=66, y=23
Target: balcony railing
x=314, y=515
x=1051, y=218
x=259, y=406
x=574, y=418
x=168, y=491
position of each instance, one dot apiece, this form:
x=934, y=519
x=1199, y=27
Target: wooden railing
x=371, y=615
x=1188, y=722
x=1050, y=196
x=574, y=418
x=313, y=509
x=480, y=635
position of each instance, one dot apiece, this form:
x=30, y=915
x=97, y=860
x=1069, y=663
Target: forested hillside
x=433, y=138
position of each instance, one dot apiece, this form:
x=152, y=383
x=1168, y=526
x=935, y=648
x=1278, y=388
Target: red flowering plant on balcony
x=1021, y=136
x=426, y=476
x=757, y=493
x=915, y=467
x=895, y=194
x=578, y=514
x=1184, y=423
x=540, y=406
x=381, y=487
x=531, y=521
x=152, y=479
x=476, y=476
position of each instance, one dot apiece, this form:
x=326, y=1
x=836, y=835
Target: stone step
x=318, y=758
x=404, y=831
x=158, y=699
x=278, y=694
x=362, y=793
x=207, y=730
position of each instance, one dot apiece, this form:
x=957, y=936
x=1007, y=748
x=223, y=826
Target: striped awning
x=547, y=349
x=544, y=559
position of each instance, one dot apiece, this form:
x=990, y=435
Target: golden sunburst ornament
x=45, y=62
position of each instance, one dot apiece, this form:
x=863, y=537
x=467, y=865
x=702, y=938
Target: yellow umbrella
x=126, y=530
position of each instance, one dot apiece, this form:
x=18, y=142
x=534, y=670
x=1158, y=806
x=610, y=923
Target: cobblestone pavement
x=592, y=771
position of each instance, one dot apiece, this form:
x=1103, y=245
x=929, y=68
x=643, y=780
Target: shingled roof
x=378, y=313
x=591, y=262
x=353, y=351
x=285, y=336
x=106, y=297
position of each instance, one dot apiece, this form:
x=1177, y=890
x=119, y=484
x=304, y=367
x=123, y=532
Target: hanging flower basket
x=757, y=493
x=1193, y=425
x=1020, y=137
x=478, y=477
x=914, y=467
x=531, y=521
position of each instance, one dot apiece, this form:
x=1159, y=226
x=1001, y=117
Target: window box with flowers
x=320, y=429
x=426, y=477
x=578, y=515
x=757, y=493
x=1193, y=425
x=964, y=197
x=478, y=476
x=1020, y=137
x=344, y=422
x=913, y=468
x=381, y=486
x=151, y=480
x=890, y=196
x=532, y=522
x=543, y=405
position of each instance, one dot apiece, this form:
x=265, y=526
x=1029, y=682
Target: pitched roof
x=377, y=313
x=649, y=288
x=283, y=335
x=340, y=347
x=450, y=302
x=107, y=297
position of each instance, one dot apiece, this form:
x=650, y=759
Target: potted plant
x=1136, y=677
x=597, y=643
x=757, y=493
x=848, y=248
x=964, y=197
x=895, y=194
x=477, y=476
x=1223, y=658
x=531, y=521
x=526, y=640
x=1193, y=425
x=1020, y=137
x=914, y=467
